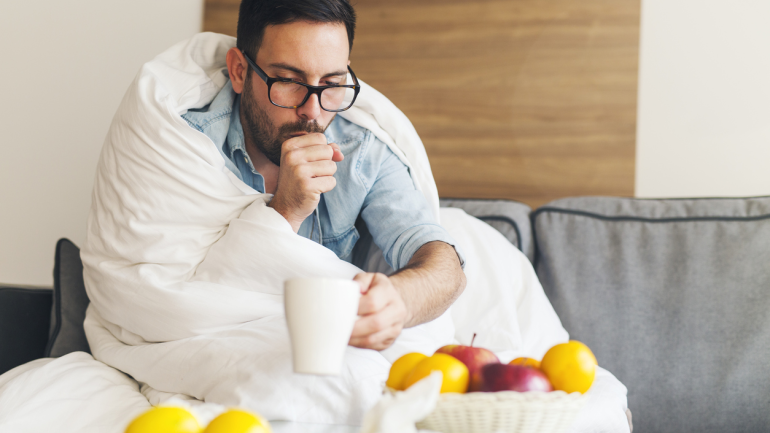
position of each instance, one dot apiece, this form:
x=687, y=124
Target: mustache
x=311, y=127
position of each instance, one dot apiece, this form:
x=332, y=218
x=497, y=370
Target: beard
x=266, y=137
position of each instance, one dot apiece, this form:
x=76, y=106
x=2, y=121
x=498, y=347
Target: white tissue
x=398, y=413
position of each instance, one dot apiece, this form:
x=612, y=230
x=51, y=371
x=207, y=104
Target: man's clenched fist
x=382, y=312
x=308, y=164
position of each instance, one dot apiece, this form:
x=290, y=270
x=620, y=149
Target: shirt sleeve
x=397, y=214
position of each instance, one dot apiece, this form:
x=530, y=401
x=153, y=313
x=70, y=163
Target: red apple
x=506, y=377
x=474, y=358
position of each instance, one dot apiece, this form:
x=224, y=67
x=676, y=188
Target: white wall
x=704, y=98
x=65, y=68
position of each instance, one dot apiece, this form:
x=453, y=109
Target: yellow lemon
x=526, y=362
x=570, y=366
x=455, y=372
x=238, y=421
x=401, y=368
x=165, y=419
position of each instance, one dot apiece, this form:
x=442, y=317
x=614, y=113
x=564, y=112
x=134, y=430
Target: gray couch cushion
x=510, y=218
x=673, y=297
x=69, y=303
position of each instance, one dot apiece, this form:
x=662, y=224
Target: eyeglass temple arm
x=256, y=68
x=353, y=74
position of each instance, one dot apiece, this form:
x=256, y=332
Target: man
x=275, y=123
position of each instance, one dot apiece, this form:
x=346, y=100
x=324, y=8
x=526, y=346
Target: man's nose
x=311, y=109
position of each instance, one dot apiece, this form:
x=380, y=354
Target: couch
x=673, y=296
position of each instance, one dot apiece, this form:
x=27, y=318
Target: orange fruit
x=454, y=371
x=164, y=419
x=238, y=421
x=571, y=366
x=401, y=368
x=526, y=362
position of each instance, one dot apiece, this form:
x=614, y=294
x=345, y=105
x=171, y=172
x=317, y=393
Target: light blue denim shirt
x=371, y=183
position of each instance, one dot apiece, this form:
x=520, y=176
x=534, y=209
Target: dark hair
x=255, y=15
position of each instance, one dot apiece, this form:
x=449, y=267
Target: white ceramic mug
x=320, y=313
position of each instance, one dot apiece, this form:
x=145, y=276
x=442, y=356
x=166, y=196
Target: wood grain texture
x=529, y=100
x=221, y=16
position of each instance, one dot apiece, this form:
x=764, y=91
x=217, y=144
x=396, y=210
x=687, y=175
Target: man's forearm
x=430, y=283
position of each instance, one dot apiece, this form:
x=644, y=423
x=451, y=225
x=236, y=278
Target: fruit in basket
x=454, y=371
x=506, y=377
x=238, y=421
x=401, y=368
x=165, y=419
x=526, y=362
x=473, y=357
x=571, y=366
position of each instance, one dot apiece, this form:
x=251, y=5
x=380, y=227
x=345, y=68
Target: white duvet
x=184, y=266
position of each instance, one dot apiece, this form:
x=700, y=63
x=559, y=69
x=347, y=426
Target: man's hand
x=308, y=164
x=383, y=313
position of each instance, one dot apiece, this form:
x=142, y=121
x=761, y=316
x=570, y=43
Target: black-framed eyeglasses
x=287, y=93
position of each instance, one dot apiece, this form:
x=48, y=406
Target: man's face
x=312, y=53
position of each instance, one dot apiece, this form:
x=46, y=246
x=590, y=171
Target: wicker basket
x=506, y=411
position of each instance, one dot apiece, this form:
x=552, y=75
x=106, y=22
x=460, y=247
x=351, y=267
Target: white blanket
x=184, y=265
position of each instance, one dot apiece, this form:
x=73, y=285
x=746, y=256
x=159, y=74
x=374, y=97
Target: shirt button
x=246, y=159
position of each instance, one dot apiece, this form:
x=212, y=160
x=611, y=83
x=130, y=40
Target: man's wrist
x=397, y=281
x=278, y=206
x=431, y=281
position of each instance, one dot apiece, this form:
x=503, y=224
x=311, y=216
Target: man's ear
x=237, y=68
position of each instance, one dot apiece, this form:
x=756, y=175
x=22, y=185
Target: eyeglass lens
x=292, y=94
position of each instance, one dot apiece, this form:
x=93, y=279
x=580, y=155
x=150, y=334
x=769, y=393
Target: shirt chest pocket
x=343, y=244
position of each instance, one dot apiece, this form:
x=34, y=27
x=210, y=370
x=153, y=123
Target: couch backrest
x=24, y=313
x=510, y=218
x=673, y=296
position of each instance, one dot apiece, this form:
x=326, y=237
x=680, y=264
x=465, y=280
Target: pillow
x=673, y=298
x=70, y=301
x=23, y=326
x=509, y=217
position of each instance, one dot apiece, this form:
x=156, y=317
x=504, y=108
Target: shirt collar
x=237, y=150
x=235, y=138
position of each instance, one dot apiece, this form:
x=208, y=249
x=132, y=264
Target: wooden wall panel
x=530, y=100
x=220, y=16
